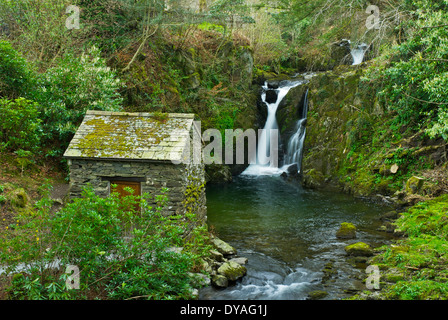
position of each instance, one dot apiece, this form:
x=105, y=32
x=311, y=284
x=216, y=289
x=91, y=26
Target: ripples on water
x=288, y=235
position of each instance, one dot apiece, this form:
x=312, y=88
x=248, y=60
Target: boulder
x=359, y=249
x=317, y=295
x=19, y=198
x=241, y=260
x=271, y=96
x=414, y=185
x=346, y=231
x=216, y=255
x=232, y=270
x=220, y=281
x=223, y=247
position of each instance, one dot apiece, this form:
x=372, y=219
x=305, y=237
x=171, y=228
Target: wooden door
x=120, y=186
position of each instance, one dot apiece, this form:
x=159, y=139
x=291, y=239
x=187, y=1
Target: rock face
x=216, y=173
x=340, y=53
x=346, y=231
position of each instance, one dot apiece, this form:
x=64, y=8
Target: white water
x=295, y=144
x=265, y=164
x=358, y=53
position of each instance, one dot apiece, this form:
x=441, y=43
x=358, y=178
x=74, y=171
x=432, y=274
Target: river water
x=288, y=235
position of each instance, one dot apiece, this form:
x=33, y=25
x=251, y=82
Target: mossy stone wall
x=153, y=176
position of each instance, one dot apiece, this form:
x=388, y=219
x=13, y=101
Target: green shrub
x=416, y=79
x=121, y=253
x=68, y=90
x=15, y=75
x=19, y=124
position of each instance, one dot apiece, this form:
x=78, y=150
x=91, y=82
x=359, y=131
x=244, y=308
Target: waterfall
x=295, y=145
x=264, y=165
x=358, y=53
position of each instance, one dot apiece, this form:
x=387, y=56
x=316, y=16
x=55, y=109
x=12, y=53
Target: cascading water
x=295, y=145
x=358, y=53
x=264, y=164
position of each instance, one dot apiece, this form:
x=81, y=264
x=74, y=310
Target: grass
x=416, y=267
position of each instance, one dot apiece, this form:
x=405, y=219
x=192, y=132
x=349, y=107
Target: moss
x=417, y=264
x=232, y=270
x=346, y=231
x=317, y=295
x=19, y=199
x=119, y=135
x=359, y=249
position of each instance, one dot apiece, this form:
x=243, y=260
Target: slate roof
x=131, y=136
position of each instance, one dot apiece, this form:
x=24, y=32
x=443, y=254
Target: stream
x=288, y=235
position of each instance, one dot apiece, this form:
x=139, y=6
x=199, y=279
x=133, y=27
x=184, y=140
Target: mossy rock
x=232, y=270
x=317, y=295
x=346, y=231
x=313, y=179
x=223, y=247
x=19, y=198
x=394, y=275
x=414, y=185
x=359, y=249
x=220, y=281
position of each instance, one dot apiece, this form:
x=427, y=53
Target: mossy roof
x=131, y=136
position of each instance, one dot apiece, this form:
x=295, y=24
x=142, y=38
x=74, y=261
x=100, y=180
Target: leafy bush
x=15, y=75
x=19, y=124
x=121, y=253
x=75, y=85
x=415, y=82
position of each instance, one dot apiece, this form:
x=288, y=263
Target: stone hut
x=146, y=152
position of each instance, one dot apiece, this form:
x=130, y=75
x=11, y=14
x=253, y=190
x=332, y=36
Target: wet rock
x=240, y=260
x=216, y=173
x=271, y=96
x=220, y=281
x=223, y=247
x=346, y=231
x=317, y=295
x=232, y=270
x=390, y=216
x=387, y=227
x=329, y=271
x=313, y=179
x=359, y=249
x=340, y=53
x=216, y=256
